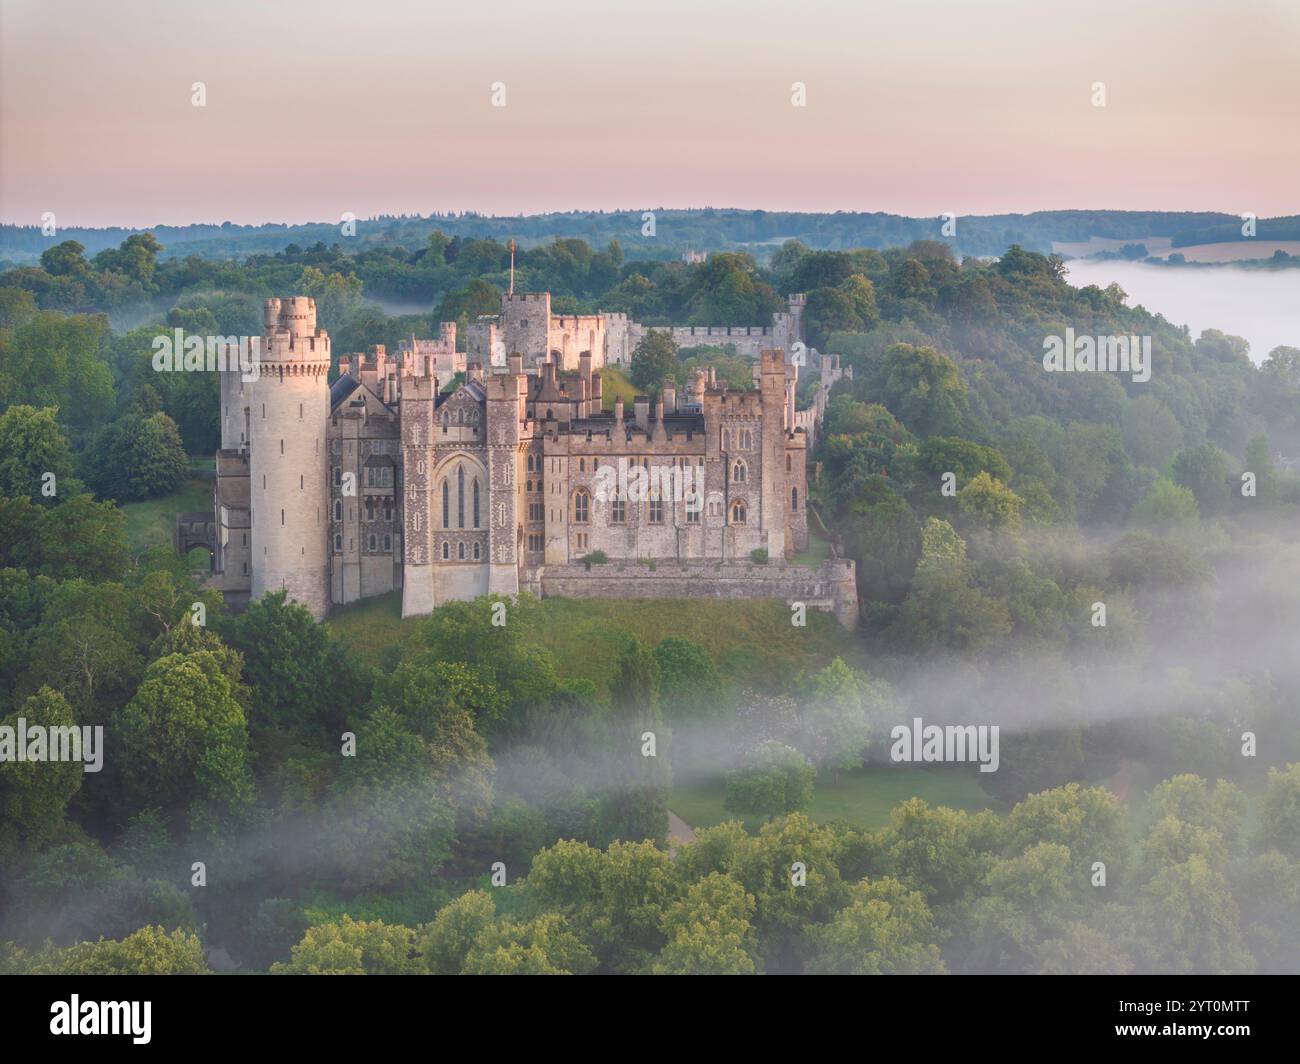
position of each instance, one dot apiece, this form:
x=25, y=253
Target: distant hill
x=708, y=229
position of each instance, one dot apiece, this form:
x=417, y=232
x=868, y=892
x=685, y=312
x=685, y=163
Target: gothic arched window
x=476, y=502
x=581, y=507
x=446, y=505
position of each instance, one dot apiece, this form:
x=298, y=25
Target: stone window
x=446, y=551
x=372, y=543
x=446, y=505
x=338, y=510
x=617, y=510
x=581, y=507
x=460, y=497
x=746, y=440
x=338, y=542
x=460, y=552
x=478, y=551
x=739, y=472
x=656, y=508
x=794, y=499
x=693, y=508
x=388, y=543
x=788, y=465
x=726, y=439
x=738, y=512
x=476, y=502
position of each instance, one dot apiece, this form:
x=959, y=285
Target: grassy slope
x=585, y=637
x=753, y=642
x=152, y=522
x=614, y=382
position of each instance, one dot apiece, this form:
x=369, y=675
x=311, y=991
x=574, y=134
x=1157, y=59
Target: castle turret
x=289, y=407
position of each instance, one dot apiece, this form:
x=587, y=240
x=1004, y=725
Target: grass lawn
x=748, y=639
x=862, y=798
x=152, y=522
x=614, y=382
x=818, y=551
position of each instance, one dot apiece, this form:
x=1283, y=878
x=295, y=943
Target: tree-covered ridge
x=675, y=231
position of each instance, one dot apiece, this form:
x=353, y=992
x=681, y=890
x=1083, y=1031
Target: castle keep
x=518, y=478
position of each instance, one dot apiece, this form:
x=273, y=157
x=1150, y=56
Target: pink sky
x=914, y=107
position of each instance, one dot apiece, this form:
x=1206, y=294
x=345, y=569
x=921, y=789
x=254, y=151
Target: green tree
x=772, y=780
x=924, y=390
x=1204, y=471
x=886, y=929
x=654, y=358
x=1279, y=816
x=709, y=930
x=139, y=458
x=1187, y=921
x=35, y=794
x=1166, y=504
x=183, y=737
x=353, y=947
x=31, y=446
x=689, y=685
x=989, y=504
x=614, y=899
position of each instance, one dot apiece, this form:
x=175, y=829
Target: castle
x=518, y=478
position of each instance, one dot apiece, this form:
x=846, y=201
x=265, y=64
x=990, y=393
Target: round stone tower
x=289, y=407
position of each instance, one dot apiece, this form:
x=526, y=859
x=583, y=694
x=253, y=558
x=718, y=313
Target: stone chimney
x=584, y=371
x=516, y=363
x=641, y=406
x=669, y=395
x=618, y=411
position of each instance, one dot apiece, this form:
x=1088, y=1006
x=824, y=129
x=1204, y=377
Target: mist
x=1262, y=306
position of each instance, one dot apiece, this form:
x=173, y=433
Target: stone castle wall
x=829, y=587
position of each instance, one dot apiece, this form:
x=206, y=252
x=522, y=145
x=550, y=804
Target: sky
x=915, y=107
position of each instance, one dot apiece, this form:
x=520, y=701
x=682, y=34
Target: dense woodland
x=462, y=801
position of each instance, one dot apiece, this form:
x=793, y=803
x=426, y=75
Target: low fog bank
x=1263, y=306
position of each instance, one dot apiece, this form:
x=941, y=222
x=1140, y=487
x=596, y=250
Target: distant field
x=1162, y=247
x=752, y=639
x=1156, y=245
x=1237, y=250
x=862, y=798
